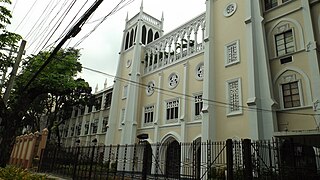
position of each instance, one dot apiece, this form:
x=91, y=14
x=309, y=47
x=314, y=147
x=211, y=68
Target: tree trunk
x=6, y=146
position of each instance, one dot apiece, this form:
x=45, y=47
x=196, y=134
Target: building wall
x=85, y=120
x=242, y=98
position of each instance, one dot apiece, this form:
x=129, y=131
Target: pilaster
x=209, y=120
x=262, y=123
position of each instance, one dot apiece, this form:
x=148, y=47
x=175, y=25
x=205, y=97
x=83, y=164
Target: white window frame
x=286, y=29
x=95, y=124
x=197, y=71
x=150, y=88
x=86, y=128
x=196, y=117
x=229, y=110
x=125, y=92
x=178, y=80
x=172, y=120
x=265, y=7
x=300, y=95
x=122, y=117
x=144, y=114
x=72, y=128
x=105, y=123
x=235, y=43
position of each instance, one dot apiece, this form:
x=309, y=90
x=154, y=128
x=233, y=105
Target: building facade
x=242, y=69
x=88, y=125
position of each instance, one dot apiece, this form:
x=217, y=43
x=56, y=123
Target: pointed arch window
x=156, y=35
x=150, y=36
x=131, y=37
x=127, y=41
x=144, y=35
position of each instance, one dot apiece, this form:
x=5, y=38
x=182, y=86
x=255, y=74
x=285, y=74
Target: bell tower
x=139, y=31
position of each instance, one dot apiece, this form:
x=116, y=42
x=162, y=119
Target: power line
x=44, y=11
x=63, y=34
x=213, y=102
x=44, y=33
x=58, y=23
x=113, y=11
x=25, y=16
x=72, y=33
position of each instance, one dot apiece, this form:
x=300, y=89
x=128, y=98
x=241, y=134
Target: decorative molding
x=230, y=9
x=312, y=45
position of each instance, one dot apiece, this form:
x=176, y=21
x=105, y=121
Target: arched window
x=293, y=88
x=156, y=35
x=135, y=34
x=127, y=41
x=150, y=36
x=144, y=34
x=131, y=37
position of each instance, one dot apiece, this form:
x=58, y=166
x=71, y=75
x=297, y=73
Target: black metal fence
x=206, y=160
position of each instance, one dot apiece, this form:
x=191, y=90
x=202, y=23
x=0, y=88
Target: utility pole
x=4, y=73
x=14, y=72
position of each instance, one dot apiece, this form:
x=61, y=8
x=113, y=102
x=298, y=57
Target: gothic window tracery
x=173, y=80
x=200, y=71
x=150, y=88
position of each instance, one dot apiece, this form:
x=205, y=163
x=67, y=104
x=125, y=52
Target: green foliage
x=55, y=91
x=7, y=39
x=11, y=172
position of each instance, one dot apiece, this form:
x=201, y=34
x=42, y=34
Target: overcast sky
x=34, y=20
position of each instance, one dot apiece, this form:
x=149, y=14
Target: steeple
x=141, y=6
x=96, y=90
x=127, y=18
x=162, y=17
x=105, y=84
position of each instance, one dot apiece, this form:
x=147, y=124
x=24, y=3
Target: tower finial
x=162, y=17
x=141, y=7
x=105, y=84
x=127, y=18
x=96, y=90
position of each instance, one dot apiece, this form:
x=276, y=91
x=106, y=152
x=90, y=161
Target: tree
x=52, y=94
x=8, y=40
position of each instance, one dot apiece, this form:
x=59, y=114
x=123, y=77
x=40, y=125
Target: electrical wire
x=113, y=11
x=65, y=30
x=58, y=23
x=44, y=34
x=25, y=16
x=14, y=6
x=210, y=102
x=44, y=11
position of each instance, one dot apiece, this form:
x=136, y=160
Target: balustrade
x=179, y=44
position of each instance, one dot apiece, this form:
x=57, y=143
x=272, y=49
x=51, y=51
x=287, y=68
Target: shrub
x=11, y=172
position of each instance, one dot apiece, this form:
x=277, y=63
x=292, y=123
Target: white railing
x=188, y=38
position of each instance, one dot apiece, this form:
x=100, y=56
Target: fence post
x=144, y=169
x=247, y=161
x=91, y=162
x=229, y=159
x=54, y=158
x=75, y=162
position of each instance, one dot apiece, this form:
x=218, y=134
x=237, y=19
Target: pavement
x=52, y=176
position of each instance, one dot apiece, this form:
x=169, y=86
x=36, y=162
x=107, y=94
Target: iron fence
x=230, y=159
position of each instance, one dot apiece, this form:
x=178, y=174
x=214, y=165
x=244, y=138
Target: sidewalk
x=52, y=176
